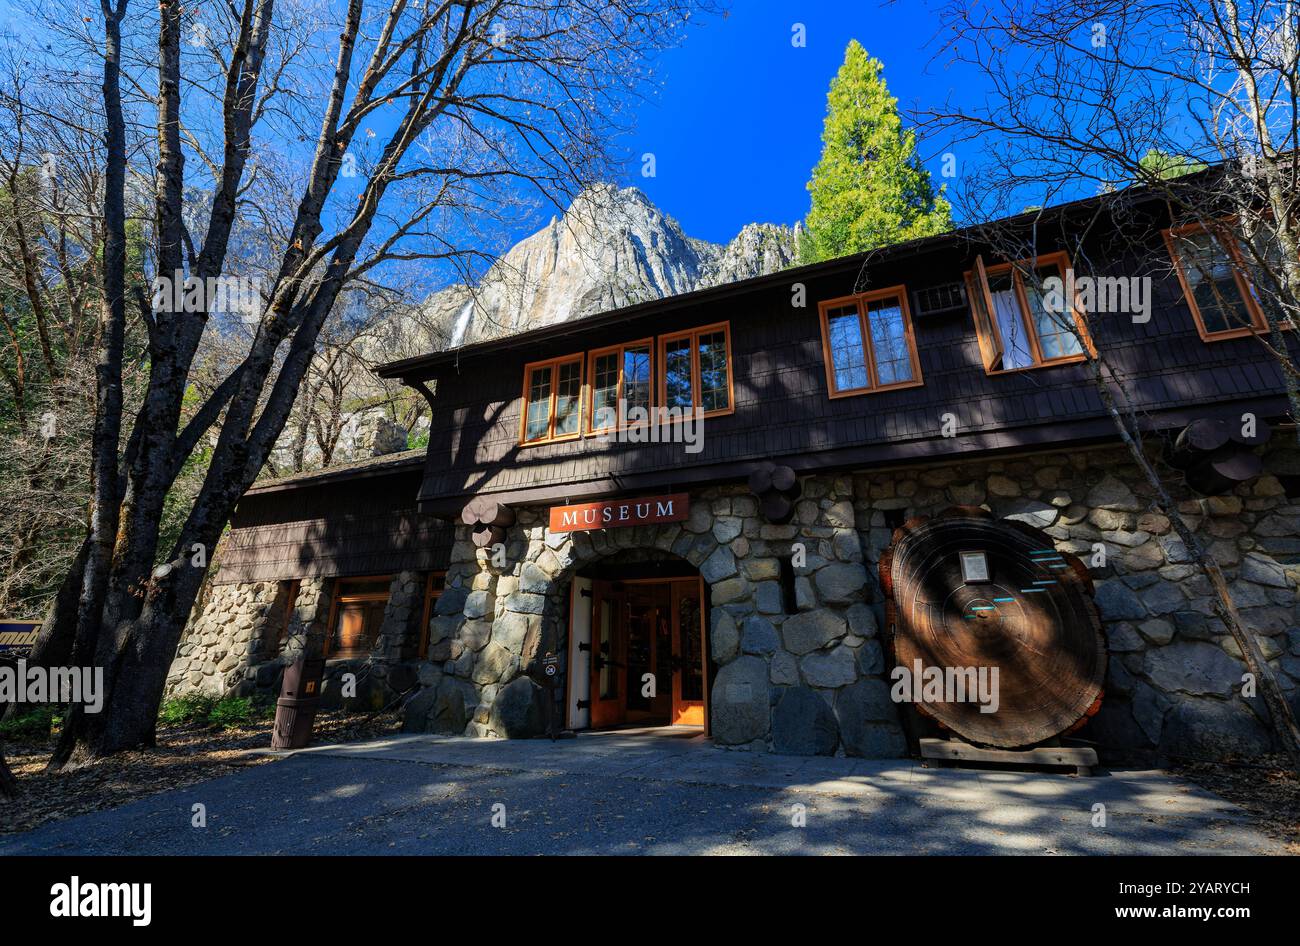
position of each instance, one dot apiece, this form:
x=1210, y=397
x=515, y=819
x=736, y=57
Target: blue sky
x=736, y=128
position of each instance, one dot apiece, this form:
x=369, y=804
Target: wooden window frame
x=553, y=364
x=589, y=394
x=430, y=599
x=986, y=325
x=336, y=599
x=860, y=300
x=661, y=378
x=1223, y=231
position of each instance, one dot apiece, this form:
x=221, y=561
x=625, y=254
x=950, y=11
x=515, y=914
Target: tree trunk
x=1284, y=722
x=108, y=371
x=8, y=784
x=143, y=650
x=53, y=647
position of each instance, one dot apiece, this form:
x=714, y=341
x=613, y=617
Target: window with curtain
x=1017, y=325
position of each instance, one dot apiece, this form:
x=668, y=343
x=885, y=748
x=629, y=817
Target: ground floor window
x=356, y=616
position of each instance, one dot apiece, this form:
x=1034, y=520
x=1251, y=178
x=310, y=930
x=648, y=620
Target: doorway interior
x=638, y=653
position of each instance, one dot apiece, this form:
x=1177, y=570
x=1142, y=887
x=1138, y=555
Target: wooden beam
x=1083, y=759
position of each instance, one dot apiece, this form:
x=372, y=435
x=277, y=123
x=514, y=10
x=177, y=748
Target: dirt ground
x=1269, y=791
x=184, y=755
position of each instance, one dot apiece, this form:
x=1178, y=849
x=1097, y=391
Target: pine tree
x=869, y=189
x=1162, y=164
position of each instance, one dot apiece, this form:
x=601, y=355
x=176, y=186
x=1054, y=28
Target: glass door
x=688, y=653
x=608, y=656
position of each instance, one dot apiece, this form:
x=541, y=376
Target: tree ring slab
x=1034, y=620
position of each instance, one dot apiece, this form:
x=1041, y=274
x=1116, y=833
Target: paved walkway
x=661, y=792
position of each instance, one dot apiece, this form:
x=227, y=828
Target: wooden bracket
x=1216, y=456
x=777, y=489
x=488, y=520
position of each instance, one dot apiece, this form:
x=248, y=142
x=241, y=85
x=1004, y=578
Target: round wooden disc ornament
x=967, y=591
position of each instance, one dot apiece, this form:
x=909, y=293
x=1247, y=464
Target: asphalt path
x=641, y=793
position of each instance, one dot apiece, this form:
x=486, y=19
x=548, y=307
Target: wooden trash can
x=295, y=710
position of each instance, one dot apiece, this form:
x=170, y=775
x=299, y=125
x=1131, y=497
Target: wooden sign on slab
x=17, y=637
x=616, y=513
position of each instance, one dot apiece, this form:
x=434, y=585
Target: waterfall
x=462, y=325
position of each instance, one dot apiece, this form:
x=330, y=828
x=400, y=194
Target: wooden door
x=690, y=678
x=608, y=656
x=580, y=640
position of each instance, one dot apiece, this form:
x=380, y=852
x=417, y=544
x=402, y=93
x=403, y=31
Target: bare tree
x=1081, y=94
x=51, y=238
x=431, y=112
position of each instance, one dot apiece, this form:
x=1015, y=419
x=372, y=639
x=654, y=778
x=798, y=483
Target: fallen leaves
x=185, y=755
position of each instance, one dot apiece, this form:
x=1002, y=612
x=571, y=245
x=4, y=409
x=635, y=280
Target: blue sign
x=17, y=637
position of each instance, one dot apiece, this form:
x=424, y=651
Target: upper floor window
x=552, y=399
x=1212, y=272
x=1021, y=319
x=621, y=373
x=696, y=370
x=867, y=343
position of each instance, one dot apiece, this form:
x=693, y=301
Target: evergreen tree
x=1161, y=164
x=869, y=188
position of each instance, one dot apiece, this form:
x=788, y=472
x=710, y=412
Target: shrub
x=193, y=708
x=33, y=726
x=232, y=711
x=200, y=710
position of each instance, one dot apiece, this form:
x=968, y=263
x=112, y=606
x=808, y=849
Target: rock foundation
x=808, y=676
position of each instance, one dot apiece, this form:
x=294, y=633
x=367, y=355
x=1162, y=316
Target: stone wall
x=1174, y=674
x=807, y=682
x=229, y=647
x=813, y=681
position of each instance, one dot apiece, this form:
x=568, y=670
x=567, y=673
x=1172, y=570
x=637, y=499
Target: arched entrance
x=637, y=643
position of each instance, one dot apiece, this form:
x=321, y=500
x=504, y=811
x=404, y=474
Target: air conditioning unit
x=936, y=300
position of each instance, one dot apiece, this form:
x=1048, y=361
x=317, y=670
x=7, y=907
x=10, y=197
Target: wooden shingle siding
x=781, y=403
x=359, y=527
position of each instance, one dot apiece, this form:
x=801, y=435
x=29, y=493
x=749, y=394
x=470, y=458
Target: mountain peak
x=612, y=247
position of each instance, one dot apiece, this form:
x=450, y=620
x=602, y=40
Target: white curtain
x=1011, y=327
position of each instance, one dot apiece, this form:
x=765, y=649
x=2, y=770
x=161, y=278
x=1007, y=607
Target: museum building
x=740, y=509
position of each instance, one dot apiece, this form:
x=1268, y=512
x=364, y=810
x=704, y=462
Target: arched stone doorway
x=632, y=642
x=786, y=612
x=500, y=616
